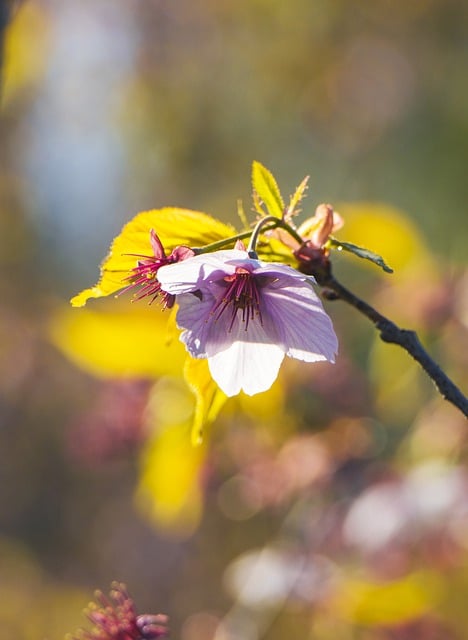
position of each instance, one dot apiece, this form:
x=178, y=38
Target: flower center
x=241, y=294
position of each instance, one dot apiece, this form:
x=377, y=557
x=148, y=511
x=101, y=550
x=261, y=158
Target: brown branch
x=390, y=332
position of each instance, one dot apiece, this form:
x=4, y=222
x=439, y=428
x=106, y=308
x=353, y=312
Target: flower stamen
x=144, y=278
x=241, y=294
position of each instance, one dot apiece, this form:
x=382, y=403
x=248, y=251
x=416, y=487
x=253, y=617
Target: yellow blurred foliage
x=31, y=605
x=209, y=397
x=169, y=492
x=406, y=299
x=133, y=341
x=25, y=49
x=397, y=381
x=385, y=230
x=266, y=406
x=375, y=604
x=130, y=341
x=173, y=226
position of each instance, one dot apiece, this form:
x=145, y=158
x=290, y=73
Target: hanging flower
x=245, y=315
x=315, y=231
x=115, y=618
x=143, y=277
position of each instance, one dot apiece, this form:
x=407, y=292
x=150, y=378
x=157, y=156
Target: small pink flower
x=316, y=230
x=245, y=315
x=115, y=618
x=144, y=275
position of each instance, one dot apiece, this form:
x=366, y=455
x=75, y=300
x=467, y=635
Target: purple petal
x=305, y=330
x=286, y=274
x=192, y=316
x=158, y=249
x=240, y=357
x=181, y=253
x=246, y=355
x=207, y=333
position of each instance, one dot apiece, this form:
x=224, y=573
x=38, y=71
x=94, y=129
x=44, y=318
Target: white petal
x=246, y=366
x=190, y=274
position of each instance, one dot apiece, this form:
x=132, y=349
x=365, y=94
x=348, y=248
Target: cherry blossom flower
x=245, y=315
x=144, y=275
x=316, y=230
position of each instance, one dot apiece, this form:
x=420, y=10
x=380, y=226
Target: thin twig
x=390, y=332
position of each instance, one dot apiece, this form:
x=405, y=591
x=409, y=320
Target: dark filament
x=241, y=294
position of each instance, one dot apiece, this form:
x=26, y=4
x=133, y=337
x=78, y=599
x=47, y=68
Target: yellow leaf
x=136, y=340
x=93, y=292
x=209, y=397
x=398, y=381
x=169, y=491
x=270, y=249
x=173, y=226
x=374, y=604
x=265, y=407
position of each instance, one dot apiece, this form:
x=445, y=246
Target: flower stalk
x=268, y=223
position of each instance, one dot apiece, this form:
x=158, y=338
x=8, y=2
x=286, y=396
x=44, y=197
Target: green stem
x=219, y=244
x=270, y=223
x=256, y=232
x=292, y=231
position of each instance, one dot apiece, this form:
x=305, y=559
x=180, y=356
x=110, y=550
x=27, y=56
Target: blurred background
x=336, y=504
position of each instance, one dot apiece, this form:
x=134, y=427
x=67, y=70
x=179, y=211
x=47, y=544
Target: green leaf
x=296, y=198
x=360, y=252
x=265, y=185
